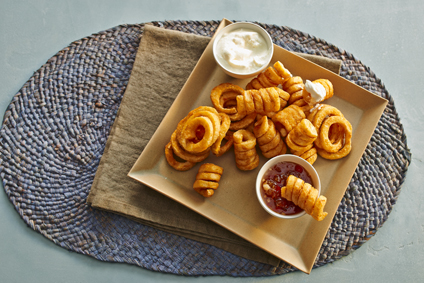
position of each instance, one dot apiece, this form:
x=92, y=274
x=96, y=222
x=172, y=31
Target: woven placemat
x=55, y=130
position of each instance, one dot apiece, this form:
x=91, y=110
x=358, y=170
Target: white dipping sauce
x=242, y=50
x=316, y=90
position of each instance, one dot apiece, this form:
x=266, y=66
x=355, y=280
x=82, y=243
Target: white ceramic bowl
x=286, y=158
x=247, y=26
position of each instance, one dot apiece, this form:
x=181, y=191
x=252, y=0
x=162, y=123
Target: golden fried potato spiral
x=294, y=86
x=205, y=117
x=217, y=148
x=268, y=138
x=303, y=134
x=334, y=139
x=223, y=92
x=286, y=119
x=271, y=77
x=330, y=150
x=196, y=134
x=300, y=140
x=265, y=101
x=317, y=117
x=305, y=196
x=245, y=150
x=309, y=153
x=207, y=179
x=329, y=91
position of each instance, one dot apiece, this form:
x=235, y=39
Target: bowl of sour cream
x=243, y=49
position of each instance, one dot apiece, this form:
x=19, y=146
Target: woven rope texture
x=55, y=130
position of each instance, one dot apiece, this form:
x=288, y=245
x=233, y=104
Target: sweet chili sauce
x=276, y=178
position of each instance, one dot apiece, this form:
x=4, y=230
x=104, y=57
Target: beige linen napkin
x=163, y=63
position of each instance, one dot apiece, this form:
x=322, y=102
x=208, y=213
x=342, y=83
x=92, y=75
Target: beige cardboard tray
x=234, y=205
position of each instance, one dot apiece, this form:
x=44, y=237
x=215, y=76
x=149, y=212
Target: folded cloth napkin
x=163, y=63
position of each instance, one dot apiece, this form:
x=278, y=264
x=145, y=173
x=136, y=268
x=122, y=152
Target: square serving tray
x=234, y=205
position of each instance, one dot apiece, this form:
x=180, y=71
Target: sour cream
x=316, y=90
x=242, y=51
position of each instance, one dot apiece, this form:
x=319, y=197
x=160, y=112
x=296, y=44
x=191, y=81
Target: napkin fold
x=163, y=63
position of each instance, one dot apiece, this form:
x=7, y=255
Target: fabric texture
x=55, y=131
x=163, y=63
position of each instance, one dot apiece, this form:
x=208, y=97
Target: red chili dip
x=272, y=182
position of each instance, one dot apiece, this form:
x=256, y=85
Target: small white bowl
x=245, y=26
x=286, y=158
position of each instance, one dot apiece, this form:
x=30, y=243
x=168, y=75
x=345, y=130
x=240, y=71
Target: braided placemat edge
x=10, y=112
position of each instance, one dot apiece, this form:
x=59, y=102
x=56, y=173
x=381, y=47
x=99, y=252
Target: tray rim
x=147, y=177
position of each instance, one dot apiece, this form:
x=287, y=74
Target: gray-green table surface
x=387, y=36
